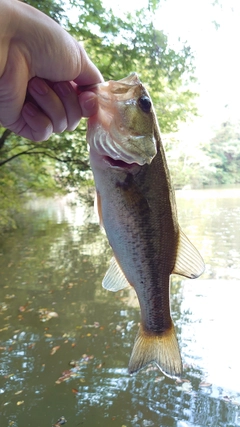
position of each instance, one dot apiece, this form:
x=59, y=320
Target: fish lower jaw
x=104, y=161
x=121, y=164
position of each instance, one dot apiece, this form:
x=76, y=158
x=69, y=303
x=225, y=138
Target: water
x=65, y=342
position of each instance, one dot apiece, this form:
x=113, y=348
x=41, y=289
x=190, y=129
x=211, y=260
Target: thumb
x=88, y=73
x=13, y=90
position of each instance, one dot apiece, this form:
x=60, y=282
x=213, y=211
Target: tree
x=224, y=151
x=118, y=46
x=49, y=7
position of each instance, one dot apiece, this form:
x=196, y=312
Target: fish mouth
x=120, y=164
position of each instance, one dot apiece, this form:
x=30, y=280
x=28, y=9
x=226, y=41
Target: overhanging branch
x=4, y=136
x=31, y=151
x=3, y=162
x=67, y=160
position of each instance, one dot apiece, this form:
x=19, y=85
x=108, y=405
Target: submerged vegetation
x=118, y=46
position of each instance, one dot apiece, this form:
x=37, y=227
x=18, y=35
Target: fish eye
x=145, y=104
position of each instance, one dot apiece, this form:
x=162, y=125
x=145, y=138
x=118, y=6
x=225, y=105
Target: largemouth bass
x=137, y=208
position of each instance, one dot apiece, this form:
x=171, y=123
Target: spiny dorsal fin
x=114, y=279
x=189, y=262
x=159, y=348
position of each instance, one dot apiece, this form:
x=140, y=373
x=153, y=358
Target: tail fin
x=162, y=349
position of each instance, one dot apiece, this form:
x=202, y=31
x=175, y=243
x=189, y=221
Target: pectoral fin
x=114, y=279
x=98, y=207
x=189, y=262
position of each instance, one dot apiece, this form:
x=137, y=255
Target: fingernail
x=39, y=86
x=90, y=104
x=30, y=109
x=62, y=88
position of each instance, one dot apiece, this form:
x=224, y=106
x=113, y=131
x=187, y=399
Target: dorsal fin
x=189, y=262
x=114, y=279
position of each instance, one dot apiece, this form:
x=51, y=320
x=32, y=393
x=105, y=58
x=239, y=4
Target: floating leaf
x=99, y=366
x=54, y=349
x=86, y=357
x=52, y=314
x=10, y=296
x=226, y=398
x=23, y=308
x=65, y=376
x=62, y=420
x=159, y=379
x=3, y=307
x=4, y=329
x=182, y=380
x=20, y=402
x=46, y=315
x=31, y=345
x=205, y=384
x=70, y=285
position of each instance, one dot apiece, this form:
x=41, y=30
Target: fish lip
x=121, y=165
x=129, y=81
x=93, y=87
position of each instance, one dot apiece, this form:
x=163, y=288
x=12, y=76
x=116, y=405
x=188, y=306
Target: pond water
x=65, y=342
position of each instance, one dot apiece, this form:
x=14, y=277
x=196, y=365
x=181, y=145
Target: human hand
x=40, y=68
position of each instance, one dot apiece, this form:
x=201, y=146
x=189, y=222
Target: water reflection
x=75, y=364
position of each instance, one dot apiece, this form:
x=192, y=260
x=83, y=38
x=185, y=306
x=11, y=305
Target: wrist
x=7, y=24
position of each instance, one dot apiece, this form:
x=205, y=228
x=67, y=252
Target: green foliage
x=188, y=164
x=118, y=46
x=212, y=162
x=49, y=7
x=224, y=152
x=22, y=171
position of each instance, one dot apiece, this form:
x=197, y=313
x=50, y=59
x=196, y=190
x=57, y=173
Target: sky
x=216, y=51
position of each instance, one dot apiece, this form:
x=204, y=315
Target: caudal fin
x=162, y=349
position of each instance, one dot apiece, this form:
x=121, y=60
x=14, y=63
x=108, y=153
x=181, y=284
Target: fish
x=136, y=206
